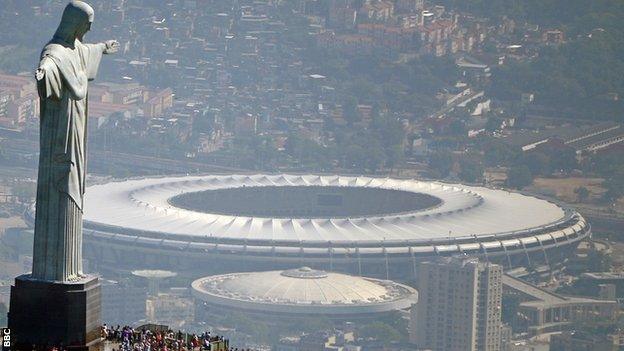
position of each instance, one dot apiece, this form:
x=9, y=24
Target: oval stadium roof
x=144, y=205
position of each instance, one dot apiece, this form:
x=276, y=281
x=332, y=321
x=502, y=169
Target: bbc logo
x=6, y=339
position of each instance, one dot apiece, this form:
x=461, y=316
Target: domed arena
x=301, y=293
x=378, y=227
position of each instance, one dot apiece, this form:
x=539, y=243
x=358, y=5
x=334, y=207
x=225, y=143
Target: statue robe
x=62, y=161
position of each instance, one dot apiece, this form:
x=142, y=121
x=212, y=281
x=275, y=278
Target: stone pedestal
x=56, y=313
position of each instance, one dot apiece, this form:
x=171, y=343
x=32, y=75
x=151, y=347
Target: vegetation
x=441, y=162
x=16, y=59
x=25, y=191
x=257, y=328
x=3, y=315
x=598, y=261
x=389, y=329
x=576, y=77
x=376, y=78
x=510, y=305
x=574, y=14
x=611, y=167
x=471, y=170
x=380, y=331
x=499, y=153
x=582, y=193
x=269, y=332
x=519, y=176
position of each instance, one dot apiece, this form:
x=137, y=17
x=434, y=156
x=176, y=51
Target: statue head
x=75, y=23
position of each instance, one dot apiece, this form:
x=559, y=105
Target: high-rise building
x=459, y=306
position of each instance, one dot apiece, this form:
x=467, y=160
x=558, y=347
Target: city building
x=154, y=278
x=583, y=341
x=459, y=305
x=594, y=282
x=172, y=310
x=581, y=138
x=410, y=5
x=541, y=311
x=122, y=303
x=19, y=101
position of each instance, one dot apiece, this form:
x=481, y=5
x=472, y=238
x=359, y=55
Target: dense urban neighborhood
x=516, y=95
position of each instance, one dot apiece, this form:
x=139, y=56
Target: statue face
x=82, y=30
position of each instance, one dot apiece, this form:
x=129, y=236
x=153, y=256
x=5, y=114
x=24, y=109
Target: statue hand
x=39, y=74
x=111, y=46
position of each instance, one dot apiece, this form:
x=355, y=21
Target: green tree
x=25, y=191
x=458, y=128
x=471, y=171
x=493, y=124
x=311, y=325
x=614, y=186
x=563, y=160
x=575, y=76
x=582, y=193
x=394, y=156
x=381, y=332
x=441, y=162
x=3, y=315
x=253, y=326
x=498, y=153
x=519, y=176
x=598, y=261
x=293, y=144
x=349, y=109
x=607, y=164
x=538, y=163
x=391, y=135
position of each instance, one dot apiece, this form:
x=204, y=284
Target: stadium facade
x=378, y=227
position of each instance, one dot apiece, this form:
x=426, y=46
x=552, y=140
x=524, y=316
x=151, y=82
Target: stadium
x=377, y=227
x=301, y=293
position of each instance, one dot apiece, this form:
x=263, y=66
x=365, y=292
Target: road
x=106, y=160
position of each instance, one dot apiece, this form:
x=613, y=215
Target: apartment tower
x=459, y=306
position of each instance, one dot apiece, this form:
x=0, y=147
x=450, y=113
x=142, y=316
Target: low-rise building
x=122, y=303
x=541, y=311
x=172, y=310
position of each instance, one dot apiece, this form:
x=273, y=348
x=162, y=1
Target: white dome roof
x=304, y=290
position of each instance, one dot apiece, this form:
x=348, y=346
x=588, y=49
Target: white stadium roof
x=143, y=205
x=304, y=290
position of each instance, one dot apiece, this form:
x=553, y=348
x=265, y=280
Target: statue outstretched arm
x=93, y=55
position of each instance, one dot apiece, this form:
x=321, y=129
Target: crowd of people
x=143, y=339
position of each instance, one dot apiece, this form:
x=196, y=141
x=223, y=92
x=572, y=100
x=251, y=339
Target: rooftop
x=309, y=216
x=304, y=290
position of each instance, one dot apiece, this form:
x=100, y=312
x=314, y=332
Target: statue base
x=48, y=313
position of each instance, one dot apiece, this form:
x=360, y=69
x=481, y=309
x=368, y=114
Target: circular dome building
x=377, y=227
x=303, y=292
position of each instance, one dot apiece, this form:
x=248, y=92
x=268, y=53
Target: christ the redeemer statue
x=67, y=65
x=57, y=304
